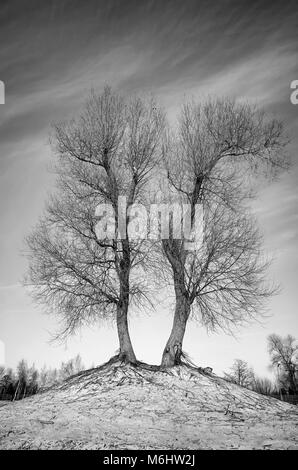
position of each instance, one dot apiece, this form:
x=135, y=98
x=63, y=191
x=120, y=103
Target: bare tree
x=108, y=152
x=32, y=381
x=284, y=357
x=7, y=383
x=71, y=367
x=22, y=380
x=263, y=386
x=241, y=374
x=47, y=377
x=208, y=163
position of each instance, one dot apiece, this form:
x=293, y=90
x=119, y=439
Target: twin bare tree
x=119, y=148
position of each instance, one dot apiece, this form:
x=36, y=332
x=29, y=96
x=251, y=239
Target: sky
x=51, y=54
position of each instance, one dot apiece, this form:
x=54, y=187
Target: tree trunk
x=173, y=350
x=126, y=350
x=16, y=392
x=292, y=381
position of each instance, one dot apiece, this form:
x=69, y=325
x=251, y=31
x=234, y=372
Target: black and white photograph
x=148, y=228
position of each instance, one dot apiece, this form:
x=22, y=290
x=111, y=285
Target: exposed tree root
x=120, y=363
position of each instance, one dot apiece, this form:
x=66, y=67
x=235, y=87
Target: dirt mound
x=120, y=406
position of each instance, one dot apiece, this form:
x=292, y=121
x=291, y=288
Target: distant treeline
x=26, y=381
x=243, y=375
x=283, y=362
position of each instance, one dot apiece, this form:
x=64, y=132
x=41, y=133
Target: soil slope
x=119, y=406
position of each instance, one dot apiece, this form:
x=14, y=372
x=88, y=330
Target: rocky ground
x=123, y=407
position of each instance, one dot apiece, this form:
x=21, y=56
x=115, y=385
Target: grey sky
x=52, y=53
